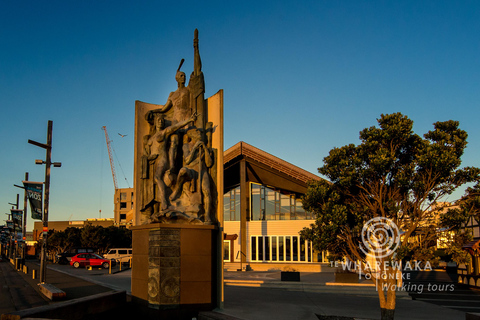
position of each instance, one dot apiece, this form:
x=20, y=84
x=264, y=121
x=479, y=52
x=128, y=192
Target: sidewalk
x=19, y=291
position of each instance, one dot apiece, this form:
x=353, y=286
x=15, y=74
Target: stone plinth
x=174, y=267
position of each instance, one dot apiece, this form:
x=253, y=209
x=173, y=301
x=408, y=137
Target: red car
x=90, y=259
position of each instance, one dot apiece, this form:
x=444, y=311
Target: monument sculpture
x=178, y=177
x=170, y=194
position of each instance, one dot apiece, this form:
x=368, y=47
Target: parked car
x=65, y=257
x=121, y=254
x=91, y=259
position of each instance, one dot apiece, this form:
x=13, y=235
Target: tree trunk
x=386, y=286
x=387, y=314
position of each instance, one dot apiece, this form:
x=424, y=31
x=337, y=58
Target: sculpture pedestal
x=174, y=268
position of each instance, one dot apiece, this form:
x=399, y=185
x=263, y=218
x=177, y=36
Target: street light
x=55, y=164
x=48, y=162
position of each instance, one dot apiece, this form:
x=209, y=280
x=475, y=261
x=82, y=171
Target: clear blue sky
x=299, y=78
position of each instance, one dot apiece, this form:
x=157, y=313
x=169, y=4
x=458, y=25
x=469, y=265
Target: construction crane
x=109, y=147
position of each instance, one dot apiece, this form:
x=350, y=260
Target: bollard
x=110, y=267
x=33, y=274
x=120, y=261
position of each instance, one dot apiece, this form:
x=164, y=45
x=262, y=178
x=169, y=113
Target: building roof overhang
x=245, y=150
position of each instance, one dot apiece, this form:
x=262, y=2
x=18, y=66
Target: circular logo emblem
x=380, y=237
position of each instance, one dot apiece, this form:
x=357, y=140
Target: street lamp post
x=24, y=224
x=48, y=162
x=13, y=235
x=25, y=199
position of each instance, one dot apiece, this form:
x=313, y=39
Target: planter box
x=346, y=277
x=290, y=276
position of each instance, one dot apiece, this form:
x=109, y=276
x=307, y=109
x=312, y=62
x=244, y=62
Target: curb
x=347, y=288
x=73, y=309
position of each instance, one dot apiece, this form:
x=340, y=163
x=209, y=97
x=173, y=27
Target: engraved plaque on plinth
x=164, y=267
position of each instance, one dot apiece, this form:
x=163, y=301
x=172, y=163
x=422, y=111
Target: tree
x=96, y=237
x=119, y=237
x=61, y=241
x=383, y=192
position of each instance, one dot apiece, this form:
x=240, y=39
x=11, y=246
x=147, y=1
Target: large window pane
x=299, y=211
x=267, y=248
x=309, y=252
x=260, y=248
x=288, y=249
x=295, y=248
x=231, y=205
x=274, y=248
x=278, y=210
x=254, y=248
x=226, y=206
x=292, y=207
x=237, y=204
x=303, y=249
x=281, y=256
x=270, y=204
x=284, y=206
x=226, y=250
x=256, y=202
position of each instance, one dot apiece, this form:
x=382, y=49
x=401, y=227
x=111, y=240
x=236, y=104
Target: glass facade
x=280, y=249
x=269, y=204
x=265, y=204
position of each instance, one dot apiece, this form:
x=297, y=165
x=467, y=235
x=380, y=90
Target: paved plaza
x=248, y=295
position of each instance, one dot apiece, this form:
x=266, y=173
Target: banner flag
x=17, y=218
x=35, y=195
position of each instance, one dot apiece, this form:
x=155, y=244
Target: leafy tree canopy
x=97, y=237
x=396, y=174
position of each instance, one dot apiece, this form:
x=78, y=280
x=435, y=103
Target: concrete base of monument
x=174, y=269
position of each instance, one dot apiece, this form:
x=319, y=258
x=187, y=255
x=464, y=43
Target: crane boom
x=109, y=148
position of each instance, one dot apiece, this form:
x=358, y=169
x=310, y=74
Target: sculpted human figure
x=156, y=148
x=179, y=100
x=198, y=159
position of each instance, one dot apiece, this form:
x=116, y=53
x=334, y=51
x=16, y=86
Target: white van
x=120, y=254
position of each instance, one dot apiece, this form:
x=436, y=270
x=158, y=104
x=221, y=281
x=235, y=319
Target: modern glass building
x=263, y=213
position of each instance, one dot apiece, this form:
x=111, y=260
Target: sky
x=299, y=78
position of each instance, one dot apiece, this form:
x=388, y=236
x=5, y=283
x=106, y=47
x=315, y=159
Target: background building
x=124, y=204
x=263, y=213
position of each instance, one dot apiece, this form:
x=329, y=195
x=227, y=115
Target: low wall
x=302, y=267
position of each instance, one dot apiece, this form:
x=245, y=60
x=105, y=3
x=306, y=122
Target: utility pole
x=13, y=235
x=48, y=163
x=9, y=252
x=24, y=244
x=24, y=224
